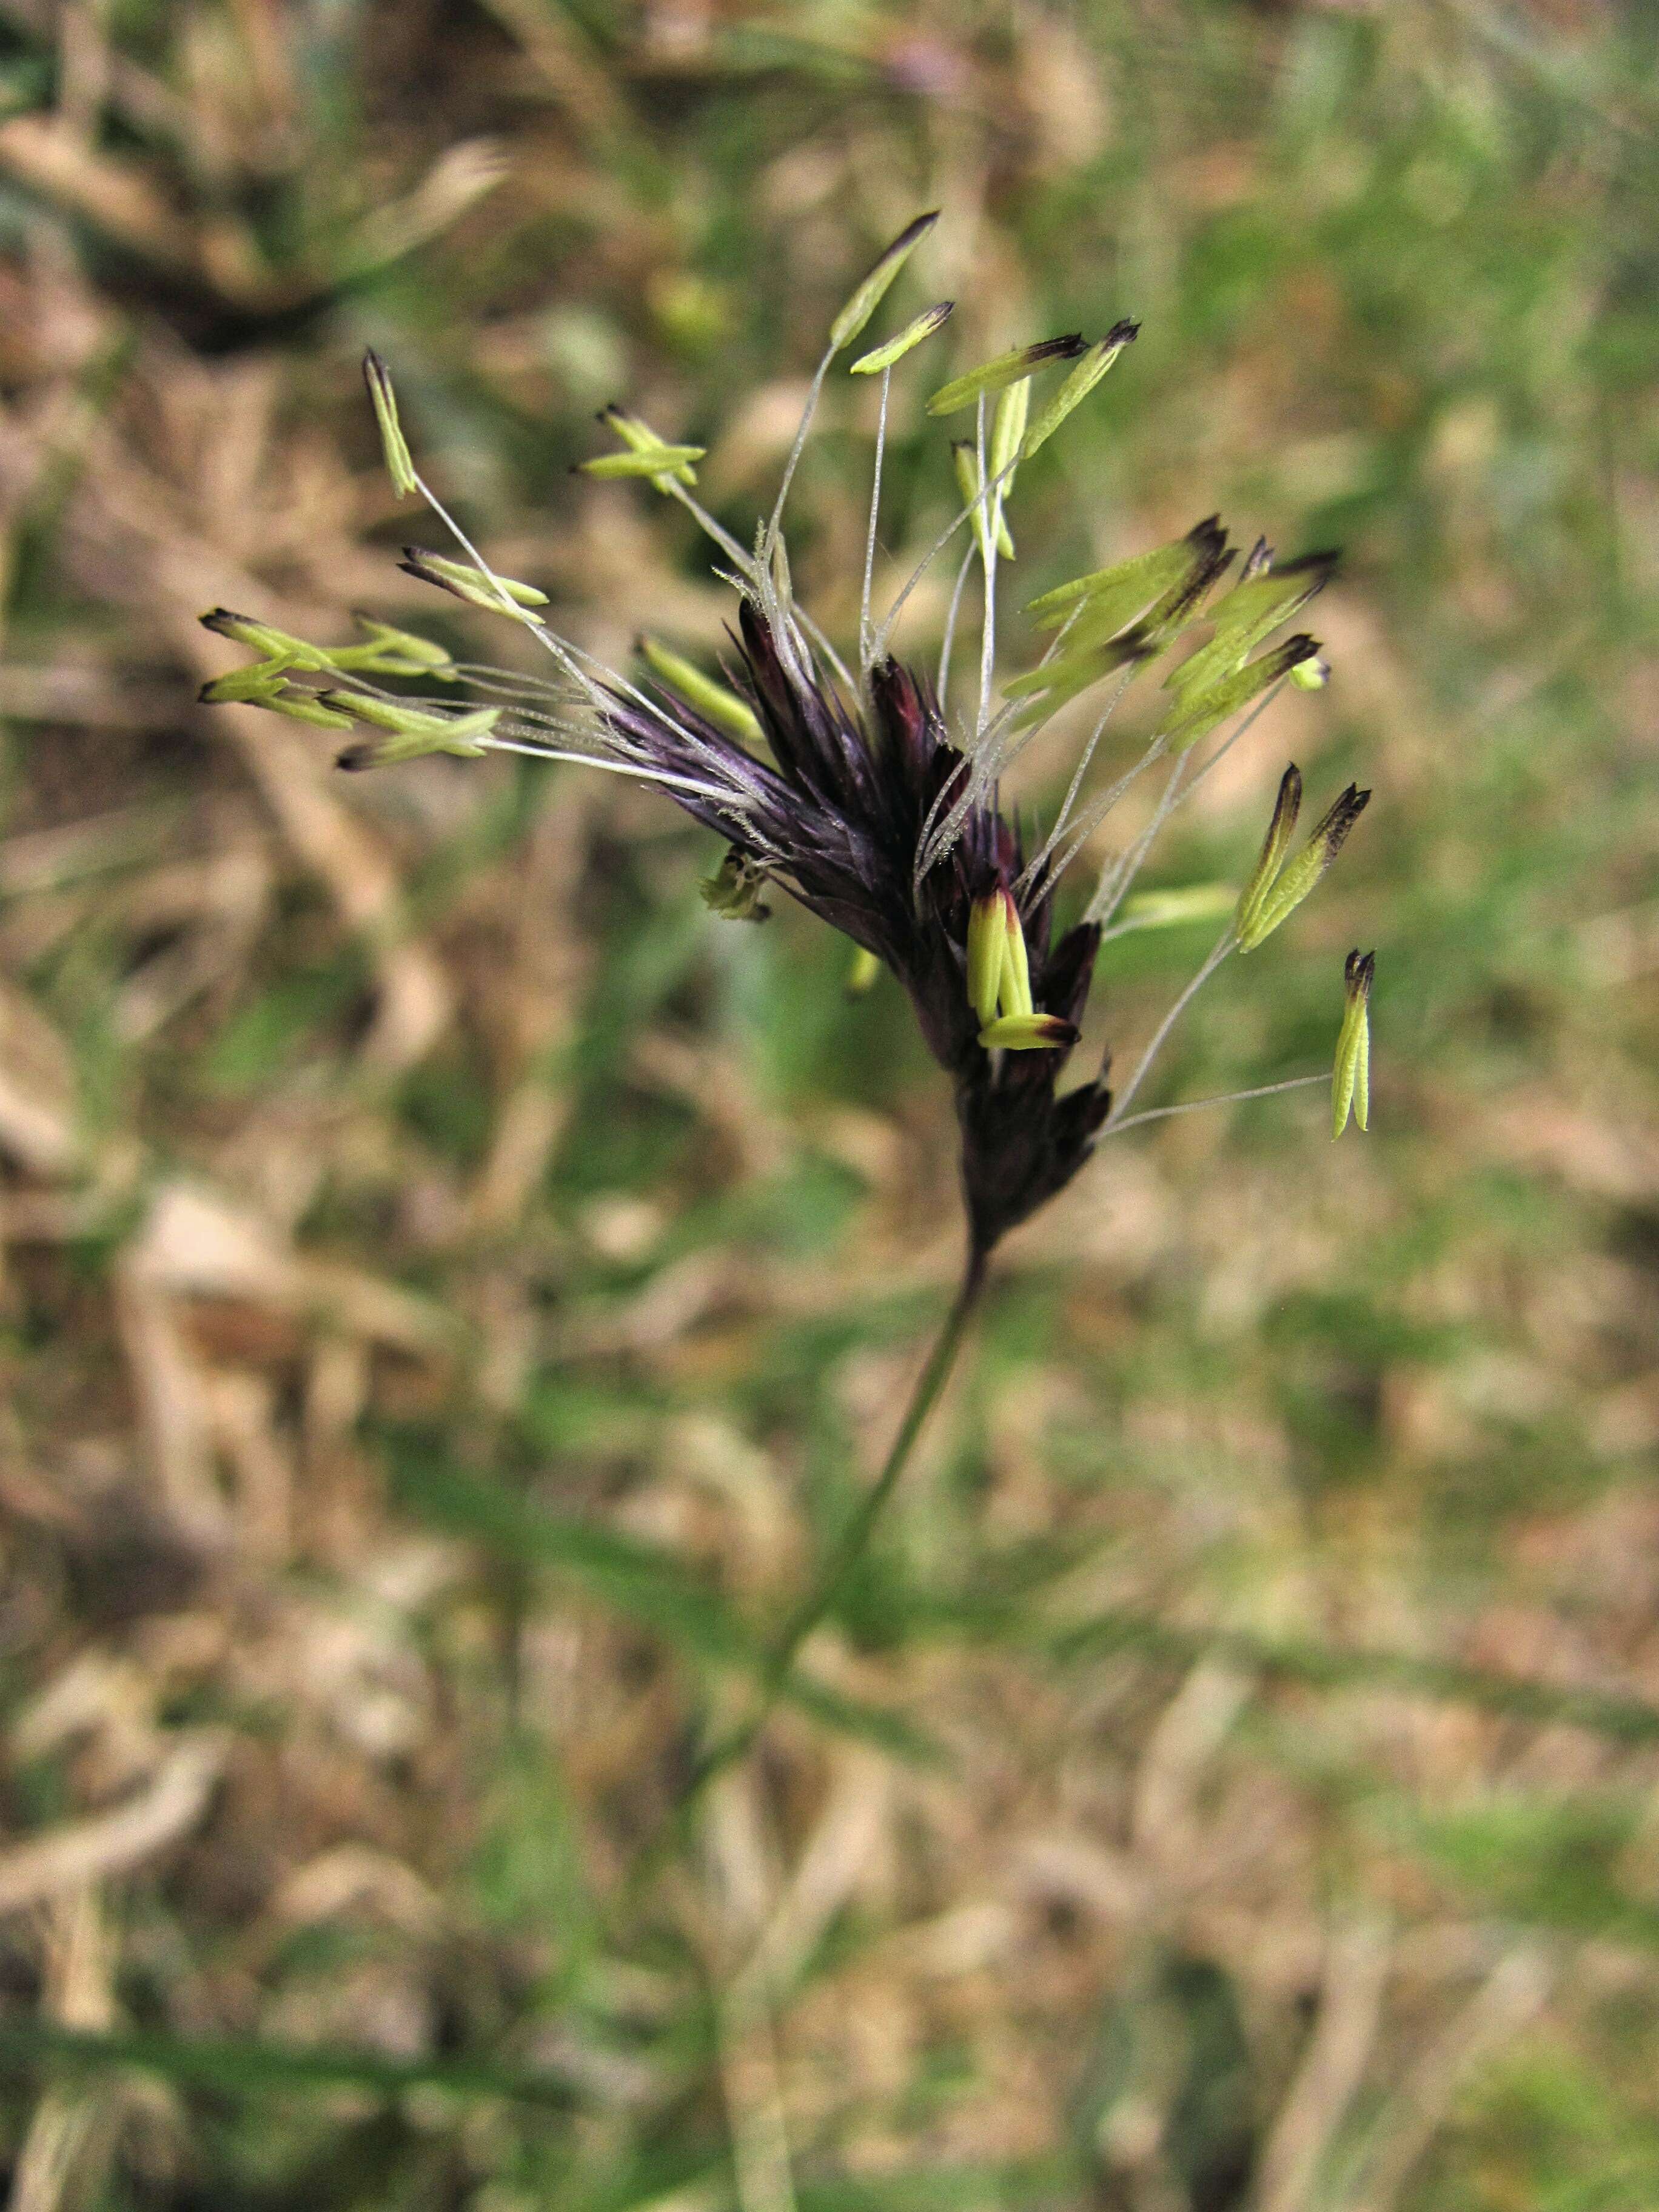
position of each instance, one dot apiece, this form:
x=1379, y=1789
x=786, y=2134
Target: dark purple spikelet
x=836, y=819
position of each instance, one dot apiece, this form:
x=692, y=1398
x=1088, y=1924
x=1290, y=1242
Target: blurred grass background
x=453, y=1287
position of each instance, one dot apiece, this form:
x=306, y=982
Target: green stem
x=855, y=1538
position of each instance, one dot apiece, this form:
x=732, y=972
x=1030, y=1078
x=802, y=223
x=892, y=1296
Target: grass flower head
x=859, y=788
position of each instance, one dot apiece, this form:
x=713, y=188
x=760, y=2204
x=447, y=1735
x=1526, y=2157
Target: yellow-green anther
x=1350, y=1076
x=411, y=730
x=965, y=461
x=1120, y=616
x=636, y=434
x=1169, y=909
x=1286, y=807
x=398, y=651
x=1222, y=657
x=1079, y=384
x=1194, y=715
x=1362, y=1079
x=1311, y=675
x=1259, y=603
x=964, y=455
x=1065, y=672
x=1164, y=588
x=470, y=584
x=1260, y=586
x=1228, y=650
x=1109, y=597
x=1006, y=369
x=1299, y=876
x=1050, y=686
x=861, y=975
x=276, y=645
x=1184, y=600
x=1015, y=995
x=883, y=357
x=639, y=438
x=1007, y=429
x=1008, y=426
x=394, y=444
x=657, y=461
x=1073, y=676
x=1110, y=633
x=1028, y=1033
x=986, y=924
x=258, y=680
x=713, y=701
x=874, y=290
x=302, y=706
x=397, y=715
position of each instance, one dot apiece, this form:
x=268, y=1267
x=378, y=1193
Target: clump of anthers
x=862, y=792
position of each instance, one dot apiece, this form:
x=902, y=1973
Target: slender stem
x=1224, y=1098
x=990, y=751
x=1228, y=743
x=821, y=638
x=1114, y=883
x=569, y=657
x=890, y=619
x=1100, y=806
x=855, y=1537
x=1224, y=944
x=813, y=396
x=950, y=627
x=870, y=539
x=1118, y=877
x=722, y=536
x=987, y=652
x=640, y=774
x=854, y=1542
